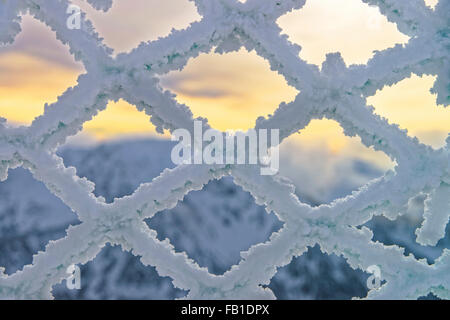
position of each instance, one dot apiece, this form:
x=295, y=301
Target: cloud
x=178, y=83
x=37, y=40
x=231, y=90
x=129, y=23
x=351, y=27
x=410, y=104
x=321, y=176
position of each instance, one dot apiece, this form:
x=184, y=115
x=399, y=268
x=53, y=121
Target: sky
x=231, y=90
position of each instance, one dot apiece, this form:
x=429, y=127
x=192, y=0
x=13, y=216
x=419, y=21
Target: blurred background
x=119, y=148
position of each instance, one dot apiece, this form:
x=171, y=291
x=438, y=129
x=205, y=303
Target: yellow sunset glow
x=27, y=83
x=350, y=27
x=412, y=106
x=231, y=90
x=120, y=119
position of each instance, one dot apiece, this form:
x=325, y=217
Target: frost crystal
x=335, y=91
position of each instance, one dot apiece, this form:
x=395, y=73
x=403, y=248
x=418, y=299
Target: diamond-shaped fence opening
x=30, y=217
x=231, y=90
x=366, y=30
x=412, y=96
x=335, y=91
x=115, y=274
x=36, y=69
x=316, y=275
x=111, y=168
x=119, y=121
x=325, y=165
x=215, y=224
x=402, y=233
x=113, y=24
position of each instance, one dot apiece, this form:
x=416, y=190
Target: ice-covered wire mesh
x=335, y=92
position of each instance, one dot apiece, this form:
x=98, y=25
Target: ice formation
x=335, y=91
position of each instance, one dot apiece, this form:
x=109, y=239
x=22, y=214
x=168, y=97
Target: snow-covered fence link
x=335, y=91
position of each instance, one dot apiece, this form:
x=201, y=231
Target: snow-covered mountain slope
x=212, y=226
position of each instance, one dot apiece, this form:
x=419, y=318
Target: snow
x=336, y=91
x=212, y=226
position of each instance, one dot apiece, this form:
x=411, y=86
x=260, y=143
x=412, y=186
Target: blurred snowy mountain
x=212, y=226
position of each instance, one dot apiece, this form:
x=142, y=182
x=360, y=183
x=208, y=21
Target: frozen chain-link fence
x=335, y=92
